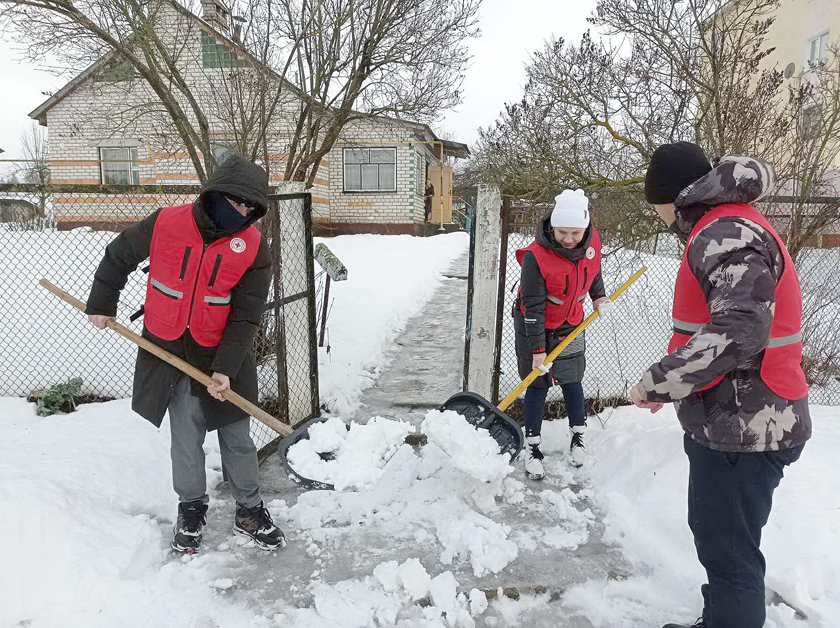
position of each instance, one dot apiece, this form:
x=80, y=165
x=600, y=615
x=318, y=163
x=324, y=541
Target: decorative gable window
x=370, y=169
x=119, y=166
x=216, y=55
x=115, y=72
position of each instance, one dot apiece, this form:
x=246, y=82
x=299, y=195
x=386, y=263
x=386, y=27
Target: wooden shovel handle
x=535, y=373
x=183, y=366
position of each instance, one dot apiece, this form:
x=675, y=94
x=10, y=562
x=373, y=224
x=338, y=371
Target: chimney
x=215, y=13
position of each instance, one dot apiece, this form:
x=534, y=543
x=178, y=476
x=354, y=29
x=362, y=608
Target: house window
x=818, y=49
x=116, y=72
x=420, y=175
x=215, y=55
x=119, y=166
x=370, y=169
x=811, y=121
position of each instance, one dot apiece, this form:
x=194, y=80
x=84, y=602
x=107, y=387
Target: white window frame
x=420, y=174
x=817, y=50
x=128, y=160
x=361, y=188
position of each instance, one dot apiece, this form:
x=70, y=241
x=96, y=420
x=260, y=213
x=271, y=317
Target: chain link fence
x=60, y=233
x=620, y=348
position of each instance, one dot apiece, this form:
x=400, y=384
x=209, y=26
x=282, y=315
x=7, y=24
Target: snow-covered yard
x=86, y=509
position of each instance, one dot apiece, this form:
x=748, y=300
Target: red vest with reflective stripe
x=188, y=285
x=781, y=368
x=566, y=282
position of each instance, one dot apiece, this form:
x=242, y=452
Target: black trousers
x=730, y=495
x=535, y=404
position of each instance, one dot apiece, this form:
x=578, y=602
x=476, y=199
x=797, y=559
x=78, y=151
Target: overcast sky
x=511, y=31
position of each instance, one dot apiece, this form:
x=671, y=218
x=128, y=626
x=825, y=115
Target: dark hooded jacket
x=154, y=380
x=530, y=333
x=533, y=293
x=737, y=264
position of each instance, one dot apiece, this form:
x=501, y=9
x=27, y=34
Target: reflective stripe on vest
x=689, y=329
x=567, y=283
x=190, y=283
x=170, y=292
x=217, y=300
x=781, y=365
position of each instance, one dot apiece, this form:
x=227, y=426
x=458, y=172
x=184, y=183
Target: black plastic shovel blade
x=484, y=415
x=283, y=447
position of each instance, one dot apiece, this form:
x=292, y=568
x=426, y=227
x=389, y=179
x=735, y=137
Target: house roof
x=423, y=131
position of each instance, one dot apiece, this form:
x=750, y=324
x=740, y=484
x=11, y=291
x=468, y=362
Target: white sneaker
x=577, y=448
x=533, y=458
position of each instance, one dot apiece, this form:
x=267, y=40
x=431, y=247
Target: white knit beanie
x=571, y=210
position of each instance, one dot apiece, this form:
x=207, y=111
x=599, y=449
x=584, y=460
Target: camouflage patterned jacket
x=737, y=264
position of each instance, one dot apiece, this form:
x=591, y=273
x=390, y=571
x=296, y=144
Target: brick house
x=104, y=129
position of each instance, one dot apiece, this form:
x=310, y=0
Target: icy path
x=557, y=545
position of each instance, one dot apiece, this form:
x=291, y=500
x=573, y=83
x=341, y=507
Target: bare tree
x=293, y=72
x=36, y=166
x=691, y=70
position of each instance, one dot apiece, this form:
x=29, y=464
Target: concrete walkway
x=425, y=367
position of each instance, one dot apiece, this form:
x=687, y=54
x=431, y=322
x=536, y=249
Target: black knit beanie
x=673, y=167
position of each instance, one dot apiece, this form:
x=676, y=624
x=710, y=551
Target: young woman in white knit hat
x=559, y=269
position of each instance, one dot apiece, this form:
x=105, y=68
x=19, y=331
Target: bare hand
x=99, y=321
x=223, y=384
x=640, y=402
x=539, y=358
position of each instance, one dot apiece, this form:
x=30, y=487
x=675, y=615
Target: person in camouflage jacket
x=739, y=434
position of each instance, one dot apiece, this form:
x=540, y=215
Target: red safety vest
x=566, y=282
x=190, y=285
x=781, y=368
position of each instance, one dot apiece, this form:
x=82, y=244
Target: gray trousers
x=239, y=454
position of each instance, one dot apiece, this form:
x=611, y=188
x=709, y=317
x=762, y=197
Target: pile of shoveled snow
x=359, y=452
x=445, y=489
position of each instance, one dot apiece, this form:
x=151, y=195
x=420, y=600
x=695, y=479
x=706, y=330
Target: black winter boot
x=187, y=535
x=698, y=624
x=255, y=523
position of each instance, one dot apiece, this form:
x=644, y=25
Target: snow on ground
x=85, y=522
x=639, y=475
x=390, y=279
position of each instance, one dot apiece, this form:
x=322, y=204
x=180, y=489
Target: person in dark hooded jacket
x=209, y=274
x=733, y=368
x=559, y=269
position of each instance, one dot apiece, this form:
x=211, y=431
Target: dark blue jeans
x=729, y=499
x=535, y=404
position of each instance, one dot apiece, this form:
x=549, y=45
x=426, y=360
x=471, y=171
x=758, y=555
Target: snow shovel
x=473, y=407
x=483, y=414
x=183, y=366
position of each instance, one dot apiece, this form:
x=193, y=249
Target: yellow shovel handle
x=566, y=342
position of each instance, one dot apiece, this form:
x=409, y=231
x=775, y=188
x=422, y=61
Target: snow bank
x=640, y=477
x=82, y=501
x=390, y=279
